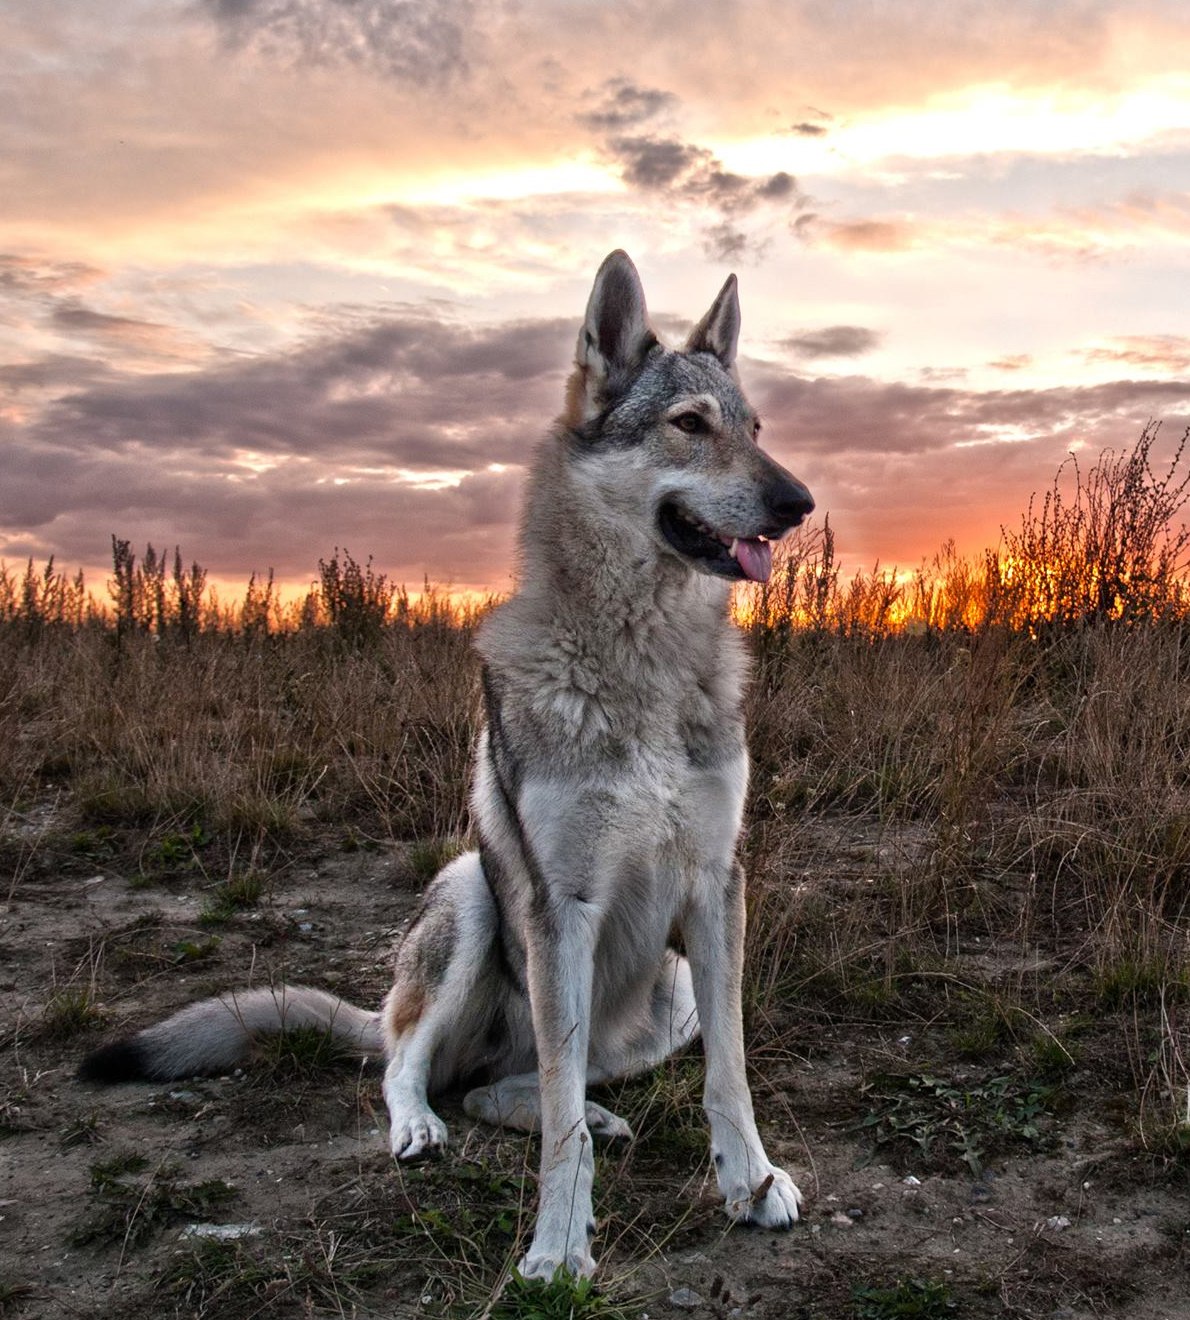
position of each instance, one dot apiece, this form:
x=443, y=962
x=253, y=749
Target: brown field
x=967, y=989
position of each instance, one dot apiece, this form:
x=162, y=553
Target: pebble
x=221, y=1232
x=685, y=1298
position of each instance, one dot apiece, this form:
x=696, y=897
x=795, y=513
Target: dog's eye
x=691, y=422
x=756, y=428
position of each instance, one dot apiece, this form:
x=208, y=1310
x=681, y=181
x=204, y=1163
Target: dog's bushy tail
x=214, y=1035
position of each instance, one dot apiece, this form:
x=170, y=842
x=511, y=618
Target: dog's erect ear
x=719, y=331
x=616, y=335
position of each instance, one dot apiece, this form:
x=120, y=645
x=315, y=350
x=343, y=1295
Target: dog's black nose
x=789, y=502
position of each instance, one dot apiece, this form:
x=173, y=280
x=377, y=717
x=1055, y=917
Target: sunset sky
x=278, y=276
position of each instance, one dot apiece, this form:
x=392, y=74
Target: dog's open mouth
x=728, y=556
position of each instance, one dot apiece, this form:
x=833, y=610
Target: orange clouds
x=276, y=267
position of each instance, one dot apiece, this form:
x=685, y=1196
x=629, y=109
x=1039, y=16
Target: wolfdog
x=600, y=924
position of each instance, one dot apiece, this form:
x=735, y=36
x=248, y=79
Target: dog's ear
x=616, y=335
x=719, y=331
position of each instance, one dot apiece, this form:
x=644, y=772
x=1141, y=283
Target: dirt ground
x=253, y=1195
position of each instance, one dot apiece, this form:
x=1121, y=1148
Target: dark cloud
x=725, y=242
x=685, y=174
x=656, y=163
x=271, y=461
x=347, y=434
x=662, y=164
x=126, y=336
x=895, y=464
x=833, y=341
x=410, y=390
x=75, y=318
x=779, y=187
x=809, y=130
x=52, y=374
x=625, y=105
x=691, y=173
x=856, y=415
x=415, y=41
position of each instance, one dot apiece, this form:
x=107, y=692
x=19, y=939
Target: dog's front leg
x=754, y=1190
x=560, y=968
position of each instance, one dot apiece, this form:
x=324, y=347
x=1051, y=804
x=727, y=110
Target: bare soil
x=112, y=1200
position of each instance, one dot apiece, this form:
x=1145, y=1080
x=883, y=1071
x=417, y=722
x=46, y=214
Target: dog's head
x=669, y=436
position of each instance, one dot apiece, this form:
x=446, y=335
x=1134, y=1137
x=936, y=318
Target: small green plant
x=478, y=1213
x=1139, y=980
x=986, y=1025
x=70, y=1011
x=1054, y=1056
x=561, y=1298
x=298, y=1055
x=98, y=845
x=174, y=852
x=130, y=1208
x=192, y=951
x=928, y=1121
x=907, y=1299
x=664, y=1109
x=354, y=841
x=427, y=858
x=83, y=1131
x=231, y=897
x=214, y=1277
x=106, y=1173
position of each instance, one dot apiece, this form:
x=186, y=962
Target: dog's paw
x=544, y=1264
x=417, y=1135
x=605, y=1126
x=772, y=1203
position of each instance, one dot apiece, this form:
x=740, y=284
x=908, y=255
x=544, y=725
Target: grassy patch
x=664, y=1109
x=129, y=1208
x=229, y=1279
x=561, y=1298
x=429, y=856
x=907, y=1299
x=174, y=852
x=232, y=897
x=296, y=1056
x=70, y=1012
x=82, y=1131
x=1143, y=979
x=930, y=1123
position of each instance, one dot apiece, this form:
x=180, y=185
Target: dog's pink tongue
x=755, y=557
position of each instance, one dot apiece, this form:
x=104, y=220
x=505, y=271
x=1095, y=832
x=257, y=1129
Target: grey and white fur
x=608, y=793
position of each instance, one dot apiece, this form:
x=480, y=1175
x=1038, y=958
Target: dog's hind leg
x=515, y=1102
x=436, y=1017
x=669, y=1022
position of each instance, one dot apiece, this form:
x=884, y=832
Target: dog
x=599, y=926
